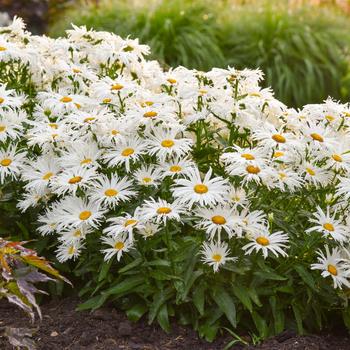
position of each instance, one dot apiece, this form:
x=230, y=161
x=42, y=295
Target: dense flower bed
x=186, y=193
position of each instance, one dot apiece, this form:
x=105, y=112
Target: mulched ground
x=63, y=328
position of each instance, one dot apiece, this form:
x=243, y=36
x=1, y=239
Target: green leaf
x=104, y=270
x=130, y=266
x=163, y=318
x=260, y=324
x=126, y=285
x=93, y=303
x=277, y=315
x=209, y=331
x=298, y=318
x=305, y=276
x=136, y=312
x=198, y=297
x=242, y=294
x=226, y=304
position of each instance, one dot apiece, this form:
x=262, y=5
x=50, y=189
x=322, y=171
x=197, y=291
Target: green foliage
x=303, y=53
x=179, y=32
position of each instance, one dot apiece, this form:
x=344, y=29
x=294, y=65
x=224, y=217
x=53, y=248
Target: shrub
x=177, y=193
x=303, y=52
x=179, y=32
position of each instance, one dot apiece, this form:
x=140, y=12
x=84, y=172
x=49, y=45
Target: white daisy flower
x=266, y=242
x=76, y=212
x=163, y=143
x=149, y=230
x=214, y=220
x=71, y=179
x=194, y=190
x=125, y=152
x=10, y=163
x=332, y=264
x=127, y=223
x=328, y=225
x=119, y=244
x=177, y=167
x=148, y=176
x=39, y=172
x=69, y=251
x=110, y=192
x=161, y=211
x=215, y=254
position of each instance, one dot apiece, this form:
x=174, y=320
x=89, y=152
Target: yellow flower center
x=247, y=156
x=119, y=245
x=175, y=168
x=66, y=99
x=282, y=175
x=278, y=154
x=89, y=119
x=251, y=169
x=2, y=128
x=77, y=105
x=76, y=70
x=117, y=87
x=84, y=215
x=6, y=162
x=75, y=180
x=168, y=143
x=47, y=176
x=217, y=257
x=328, y=226
x=278, y=138
x=77, y=233
x=172, y=81
x=147, y=180
x=317, y=137
x=150, y=114
x=203, y=91
x=311, y=171
x=106, y=100
x=332, y=270
x=86, y=161
x=1, y=100
x=111, y=192
x=262, y=241
x=71, y=250
x=218, y=220
x=330, y=118
x=114, y=132
x=337, y=157
x=3, y=48
x=163, y=210
x=53, y=125
x=130, y=222
x=127, y=152
x=200, y=188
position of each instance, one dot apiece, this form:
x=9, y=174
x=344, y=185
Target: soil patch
x=63, y=328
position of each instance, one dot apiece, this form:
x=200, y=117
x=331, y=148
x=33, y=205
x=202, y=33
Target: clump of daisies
x=107, y=144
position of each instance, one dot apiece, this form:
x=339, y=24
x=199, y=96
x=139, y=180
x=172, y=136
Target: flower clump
x=104, y=142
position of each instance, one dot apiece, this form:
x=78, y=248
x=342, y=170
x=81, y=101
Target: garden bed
x=108, y=329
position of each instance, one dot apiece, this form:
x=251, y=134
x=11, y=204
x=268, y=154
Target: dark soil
x=108, y=329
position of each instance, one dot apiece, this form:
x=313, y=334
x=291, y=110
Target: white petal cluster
x=101, y=139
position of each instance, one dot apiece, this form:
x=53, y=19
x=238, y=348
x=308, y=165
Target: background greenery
x=303, y=50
